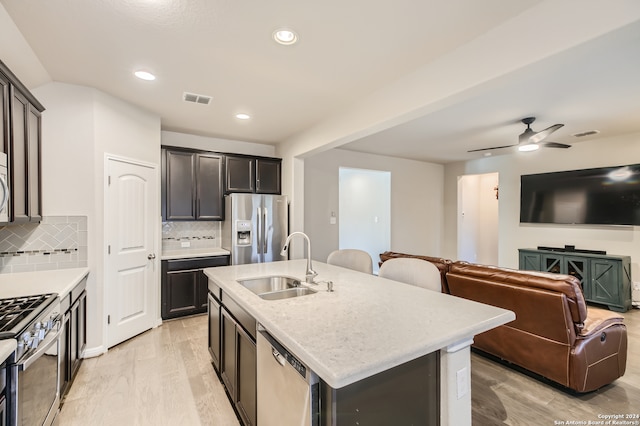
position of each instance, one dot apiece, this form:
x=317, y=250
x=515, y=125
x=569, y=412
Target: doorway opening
x=478, y=218
x=365, y=211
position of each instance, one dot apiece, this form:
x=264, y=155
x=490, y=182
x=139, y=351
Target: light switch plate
x=185, y=244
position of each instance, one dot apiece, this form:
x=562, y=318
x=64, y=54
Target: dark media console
x=605, y=279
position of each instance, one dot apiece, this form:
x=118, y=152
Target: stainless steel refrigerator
x=255, y=227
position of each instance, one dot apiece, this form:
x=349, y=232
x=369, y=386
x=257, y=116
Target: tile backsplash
x=57, y=242
x=203, y=234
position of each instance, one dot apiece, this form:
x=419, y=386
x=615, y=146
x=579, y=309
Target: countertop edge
x=7, y=347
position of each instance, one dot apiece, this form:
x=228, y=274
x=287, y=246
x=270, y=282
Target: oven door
x=37, y=397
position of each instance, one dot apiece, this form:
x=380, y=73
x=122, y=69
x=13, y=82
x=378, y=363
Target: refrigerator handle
x=265, y=234
x=260, y=231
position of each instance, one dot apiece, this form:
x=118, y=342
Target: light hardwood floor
x=165, y=377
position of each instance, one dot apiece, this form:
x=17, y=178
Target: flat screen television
x=601, y=196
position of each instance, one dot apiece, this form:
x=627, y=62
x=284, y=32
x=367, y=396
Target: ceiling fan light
x=528, y=147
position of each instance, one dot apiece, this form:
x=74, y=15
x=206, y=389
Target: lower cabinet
x=184, y=285
x=73, y=339
x=232, y=344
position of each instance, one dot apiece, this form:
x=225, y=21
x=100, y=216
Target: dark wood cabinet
x=605, y=279
x=4, y=113
x=268, y=172
x=252, y=174
x=73, y=339
x=184, y=285
x=238, y=364
x=191, y=185
x=21, y=135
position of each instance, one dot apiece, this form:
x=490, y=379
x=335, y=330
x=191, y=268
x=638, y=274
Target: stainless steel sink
x=285, y=294
x=276, y=287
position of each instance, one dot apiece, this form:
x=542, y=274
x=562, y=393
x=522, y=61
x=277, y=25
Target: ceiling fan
x=530, y=140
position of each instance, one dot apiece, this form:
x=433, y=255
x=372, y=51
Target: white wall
x=618, y=240
x=216, y=144
x=416, y=200
x=81, y=125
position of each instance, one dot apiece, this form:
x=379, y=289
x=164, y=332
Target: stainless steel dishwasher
x=288, y=391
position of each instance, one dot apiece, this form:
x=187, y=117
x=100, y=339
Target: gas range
x=27, y=319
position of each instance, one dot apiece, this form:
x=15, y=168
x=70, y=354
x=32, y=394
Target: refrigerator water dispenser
x=243, y=232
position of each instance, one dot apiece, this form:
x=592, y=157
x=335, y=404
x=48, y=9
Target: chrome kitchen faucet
x=310, y=274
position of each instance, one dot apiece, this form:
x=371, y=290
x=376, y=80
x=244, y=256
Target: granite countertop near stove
x=365, y=326
x=60, y=281
x=187, y=253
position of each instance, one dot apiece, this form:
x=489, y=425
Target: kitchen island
x=368, y=325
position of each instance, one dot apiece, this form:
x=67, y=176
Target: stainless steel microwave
x=4, y=189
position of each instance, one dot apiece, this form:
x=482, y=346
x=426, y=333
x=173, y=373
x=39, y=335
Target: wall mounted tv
x=602, y=196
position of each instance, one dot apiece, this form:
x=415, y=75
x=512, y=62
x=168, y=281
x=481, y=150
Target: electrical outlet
x=462, y=382
x=185, y=244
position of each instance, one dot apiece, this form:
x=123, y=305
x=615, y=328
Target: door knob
x=151, y=256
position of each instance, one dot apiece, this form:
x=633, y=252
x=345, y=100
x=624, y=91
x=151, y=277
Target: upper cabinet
x=191, y=185
x=21, y=135
x=252, y=174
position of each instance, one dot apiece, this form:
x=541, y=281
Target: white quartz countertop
x=187, y=253
x=7, y=346
x=60, y=281
x=365, y=326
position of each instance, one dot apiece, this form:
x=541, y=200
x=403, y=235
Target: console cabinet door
x=579, y=268
x=605, y=276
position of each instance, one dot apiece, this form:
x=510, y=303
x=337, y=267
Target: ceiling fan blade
x=556, y=145
x=488, y=149
x=542, y=134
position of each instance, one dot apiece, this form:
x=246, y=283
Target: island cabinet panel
x=605, y=279
x=215, y=321
x=192, y=185
x=238, y=356
x=184, y=285
x=408, y=394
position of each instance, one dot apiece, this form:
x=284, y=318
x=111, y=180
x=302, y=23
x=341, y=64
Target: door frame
x=156, y=243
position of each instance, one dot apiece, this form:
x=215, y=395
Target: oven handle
x=48, y=341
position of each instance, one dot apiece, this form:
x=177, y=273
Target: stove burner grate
x=15, y=310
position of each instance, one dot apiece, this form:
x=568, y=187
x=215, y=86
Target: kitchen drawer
x=197, y=263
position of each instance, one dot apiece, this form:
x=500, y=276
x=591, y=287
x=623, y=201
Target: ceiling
x=346, y=51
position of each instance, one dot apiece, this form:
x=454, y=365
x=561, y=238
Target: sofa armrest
x=597, y=320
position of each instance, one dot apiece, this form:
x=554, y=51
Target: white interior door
x=131, y=276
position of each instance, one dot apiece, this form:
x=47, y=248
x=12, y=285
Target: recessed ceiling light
x=285, y=36
x=243, y=116
x=145, y=75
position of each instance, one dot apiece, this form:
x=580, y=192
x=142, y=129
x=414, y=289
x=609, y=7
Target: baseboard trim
x=94, y=352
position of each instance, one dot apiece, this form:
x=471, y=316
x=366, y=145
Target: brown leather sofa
x=554, y=335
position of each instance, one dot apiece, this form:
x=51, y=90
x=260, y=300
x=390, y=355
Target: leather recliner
x=554, y=334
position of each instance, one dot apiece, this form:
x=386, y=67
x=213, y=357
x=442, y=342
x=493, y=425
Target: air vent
x=197, y=99
x=587, y=133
